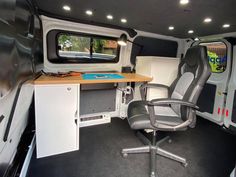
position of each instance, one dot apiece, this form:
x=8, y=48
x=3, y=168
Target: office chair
x=175, y=113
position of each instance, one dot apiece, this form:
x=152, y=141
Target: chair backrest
x=193, y=72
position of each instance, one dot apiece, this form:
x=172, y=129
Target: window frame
x=74, y=60
x=209, y=42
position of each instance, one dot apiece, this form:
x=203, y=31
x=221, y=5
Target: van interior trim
x=131, y=32
x=12, y=112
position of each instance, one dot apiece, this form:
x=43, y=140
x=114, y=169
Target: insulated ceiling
x=151, y=15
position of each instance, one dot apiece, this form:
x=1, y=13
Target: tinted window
x=217, y=56
x=87, y=48
x=153, y=47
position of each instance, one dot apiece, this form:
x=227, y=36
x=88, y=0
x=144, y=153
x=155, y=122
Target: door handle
x=76, y=113
x=76, y=116
x=76, y=121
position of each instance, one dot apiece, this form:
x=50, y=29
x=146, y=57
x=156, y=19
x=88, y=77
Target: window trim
x=217, y=41
x=74, y=60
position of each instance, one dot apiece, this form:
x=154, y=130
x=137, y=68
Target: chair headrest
x=196, y=54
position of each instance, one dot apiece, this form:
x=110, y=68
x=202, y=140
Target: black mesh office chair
x=175, y=113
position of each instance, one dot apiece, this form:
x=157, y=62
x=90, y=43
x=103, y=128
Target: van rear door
x=230, y=110
x=212, y=99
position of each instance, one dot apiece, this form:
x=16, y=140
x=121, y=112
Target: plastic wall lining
x=20, y=54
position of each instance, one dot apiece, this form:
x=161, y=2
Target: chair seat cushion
x=138, y=116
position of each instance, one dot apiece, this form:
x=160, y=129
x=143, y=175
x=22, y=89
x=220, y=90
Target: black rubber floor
x=209, y=150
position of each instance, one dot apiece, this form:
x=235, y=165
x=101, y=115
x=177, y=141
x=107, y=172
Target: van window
x=87, y=49
x=217, y=56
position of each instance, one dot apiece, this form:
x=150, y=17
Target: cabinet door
x=163, y=70
x=56, y=128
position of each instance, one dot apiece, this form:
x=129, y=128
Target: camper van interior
x=126, y=88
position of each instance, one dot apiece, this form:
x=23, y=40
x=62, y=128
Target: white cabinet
x=57, y=122
x=163, y=70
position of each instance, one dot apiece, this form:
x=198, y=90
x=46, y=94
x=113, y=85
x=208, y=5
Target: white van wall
x=125, y=53
x=55, y=24
x=19, y=121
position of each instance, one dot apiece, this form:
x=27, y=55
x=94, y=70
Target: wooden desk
x=57, y=111
x=131, y=77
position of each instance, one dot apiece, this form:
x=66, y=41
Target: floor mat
x=210, y=152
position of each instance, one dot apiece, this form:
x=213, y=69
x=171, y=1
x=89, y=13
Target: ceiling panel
x=152, y=15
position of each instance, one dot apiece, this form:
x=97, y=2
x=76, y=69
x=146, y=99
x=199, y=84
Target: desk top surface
x=128, y=77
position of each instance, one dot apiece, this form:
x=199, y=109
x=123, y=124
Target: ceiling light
x=66, y=8
x=207, y=20
x=196, y=39
x=109, y=17
x=123, y=20
x=171, y=28
x=190, y=31
x=226, y=26
x=89, y=12
x=184, y=2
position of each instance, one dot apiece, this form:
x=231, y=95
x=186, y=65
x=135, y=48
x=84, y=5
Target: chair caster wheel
x=185, y=164
x=125, y=155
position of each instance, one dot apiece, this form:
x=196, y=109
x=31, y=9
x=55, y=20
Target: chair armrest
x=143, y=88
x=173, y=128
x=165, y=102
